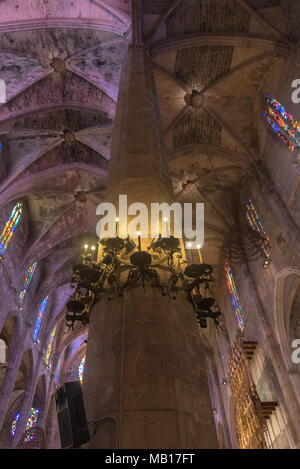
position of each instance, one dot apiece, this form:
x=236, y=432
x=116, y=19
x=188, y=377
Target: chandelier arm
x=104, y=277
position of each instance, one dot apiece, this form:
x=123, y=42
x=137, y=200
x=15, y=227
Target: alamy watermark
x=2, y=92
x=296, y=353
x=296, y=93
x=147, y=224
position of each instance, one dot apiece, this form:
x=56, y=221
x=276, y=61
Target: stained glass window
x=10, y=227
x=282, y=123
x=31, y=422
x=39, y=318
x=255, y=223
x=234, y=296
x=57, y=369
x=81, y=369
x=49, y=347
x=14, y=424
x=27, y=282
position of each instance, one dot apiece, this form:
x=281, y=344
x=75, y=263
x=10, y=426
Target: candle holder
x=123, y=266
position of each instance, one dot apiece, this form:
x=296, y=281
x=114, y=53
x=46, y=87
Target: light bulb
x=93, y=248
x=86, y=246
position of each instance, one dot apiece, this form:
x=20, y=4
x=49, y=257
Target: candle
x=200, y=255
x=167, y=226
x=117, y=221
x=139, y=238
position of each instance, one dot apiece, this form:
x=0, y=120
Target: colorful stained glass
x=39, y=318
x=81, y=369
x=29, y=434
x=31, y=422
x=282, y=123
x=27, y=282
x=14, y=424
x=57, y=369
x=255, y=223
x=49, y=347
x=10, y=227
x=234, y=297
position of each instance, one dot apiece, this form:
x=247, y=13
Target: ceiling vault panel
x=62, y=63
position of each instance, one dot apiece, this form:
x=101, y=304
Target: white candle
x=167, y=226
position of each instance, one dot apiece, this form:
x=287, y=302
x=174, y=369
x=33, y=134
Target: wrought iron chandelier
x=248, y=240
x=245, y=243
x=124, y=265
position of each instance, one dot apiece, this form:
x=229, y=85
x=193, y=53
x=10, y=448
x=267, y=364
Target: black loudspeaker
x=71, y=415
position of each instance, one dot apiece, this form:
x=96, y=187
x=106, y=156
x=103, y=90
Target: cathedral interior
x=176, y=101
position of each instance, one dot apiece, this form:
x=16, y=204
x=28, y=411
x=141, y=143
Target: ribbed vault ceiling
x=61, y=61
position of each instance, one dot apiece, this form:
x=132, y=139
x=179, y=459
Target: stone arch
x=6, y=437
x=33, y=435
x=287, y=313
x=25, y=373
x=73, y=356
x=72, y=344
x=23, y=380
x=8, y=331
x=39, y=397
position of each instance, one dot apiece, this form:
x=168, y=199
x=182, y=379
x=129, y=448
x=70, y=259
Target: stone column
x=46, y=410
x=45, y=405
x=24, y=412
x=145, y=384
x=52, y=436
x=138, y=165
x=10, y=376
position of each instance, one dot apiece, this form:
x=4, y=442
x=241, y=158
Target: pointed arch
x=286, y=289
x=7, y=333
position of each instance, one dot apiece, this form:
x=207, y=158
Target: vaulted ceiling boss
x=149, y=342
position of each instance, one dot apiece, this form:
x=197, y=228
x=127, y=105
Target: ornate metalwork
x=247, y=241
x=123, y=266
x=251, y=428
x=243, y=244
